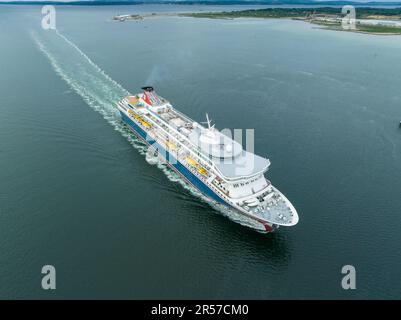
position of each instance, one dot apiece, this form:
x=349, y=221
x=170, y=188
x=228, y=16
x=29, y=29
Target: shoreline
x=318, y=24
x=375, y=21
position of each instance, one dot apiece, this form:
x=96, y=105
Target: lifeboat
x=202, y=171
x=140, y=119
x=191, y=162
x=132, y=113
x=171, y=145
x=145, y=124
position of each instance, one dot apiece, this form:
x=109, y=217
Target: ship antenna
x=208, y=122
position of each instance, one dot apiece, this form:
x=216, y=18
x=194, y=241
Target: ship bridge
x=215, y=144
x=230, y=159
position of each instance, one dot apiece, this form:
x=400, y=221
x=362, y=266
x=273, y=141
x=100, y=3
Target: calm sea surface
x=77, y=192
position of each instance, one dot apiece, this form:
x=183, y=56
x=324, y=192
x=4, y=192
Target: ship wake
x=100, y=92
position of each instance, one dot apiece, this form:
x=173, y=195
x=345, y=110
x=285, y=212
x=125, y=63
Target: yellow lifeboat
x=171, y=145
x=145, y=124
x=202, y=171
x=132, y=113
x=191, y=162
x=140, y=119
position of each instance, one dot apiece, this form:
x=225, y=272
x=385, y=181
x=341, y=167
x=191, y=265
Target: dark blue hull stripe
x=195, y=181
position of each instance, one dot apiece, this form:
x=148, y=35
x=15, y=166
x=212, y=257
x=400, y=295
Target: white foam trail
x=95, y=66
x=100, y=92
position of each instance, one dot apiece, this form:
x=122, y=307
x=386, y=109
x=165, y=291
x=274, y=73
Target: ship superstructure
x=209, y=160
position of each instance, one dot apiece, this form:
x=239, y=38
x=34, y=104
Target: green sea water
x=77, y=192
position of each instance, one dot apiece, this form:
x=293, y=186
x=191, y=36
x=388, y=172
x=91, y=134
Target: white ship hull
x=267, y=207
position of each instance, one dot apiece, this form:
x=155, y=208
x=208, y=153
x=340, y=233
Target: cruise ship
x=208, y=159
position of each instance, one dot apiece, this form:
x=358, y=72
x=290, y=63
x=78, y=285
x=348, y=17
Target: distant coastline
x=381, y=18
x=380, y=21
x=208, y=2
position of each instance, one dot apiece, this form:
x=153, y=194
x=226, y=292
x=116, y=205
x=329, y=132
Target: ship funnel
x=147, y=89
